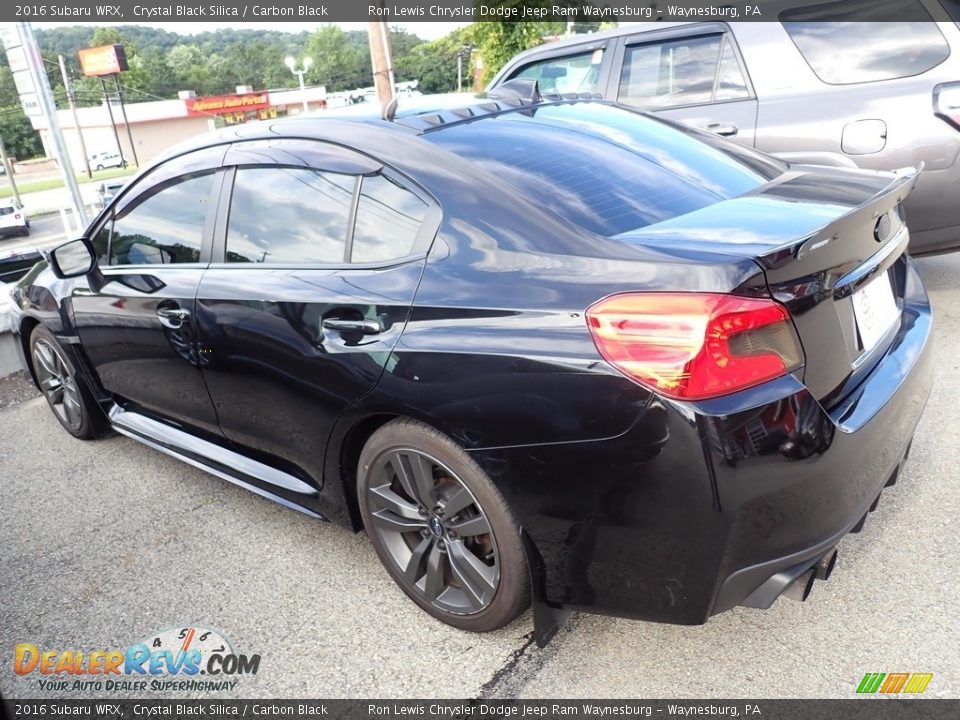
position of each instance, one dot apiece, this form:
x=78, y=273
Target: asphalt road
x=103, y=543
x=45, y=232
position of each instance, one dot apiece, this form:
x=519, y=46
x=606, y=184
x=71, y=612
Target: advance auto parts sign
x=220, y=104
x=184, y=659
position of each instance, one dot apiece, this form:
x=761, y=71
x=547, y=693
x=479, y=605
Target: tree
x=339, y=61
x=434, y=64
x=21, y=140
x=498, y=41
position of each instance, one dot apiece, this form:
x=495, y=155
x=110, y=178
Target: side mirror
x=74, y=259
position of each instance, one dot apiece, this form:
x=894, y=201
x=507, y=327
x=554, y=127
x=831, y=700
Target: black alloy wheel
x=64, y=391
x=441, y=528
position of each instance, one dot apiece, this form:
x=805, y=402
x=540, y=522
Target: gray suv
x=810, y=88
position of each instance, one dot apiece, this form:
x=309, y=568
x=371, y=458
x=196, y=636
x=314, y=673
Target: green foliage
x=498, y=41
x=434, y=63
x=341, y=60
x=213, y=63
x=18, y=135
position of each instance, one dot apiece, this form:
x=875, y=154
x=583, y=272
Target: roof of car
x=331, y=125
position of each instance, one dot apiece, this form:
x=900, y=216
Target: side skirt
x=228, y=465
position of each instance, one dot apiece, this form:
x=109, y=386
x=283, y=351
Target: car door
x=691, y=74
x=135, y=318
x=318, y=253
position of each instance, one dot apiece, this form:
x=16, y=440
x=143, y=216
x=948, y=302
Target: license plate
x=875, y=309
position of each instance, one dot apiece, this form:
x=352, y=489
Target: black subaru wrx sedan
x=545, y=350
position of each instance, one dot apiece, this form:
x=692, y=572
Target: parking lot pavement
x=104, y=542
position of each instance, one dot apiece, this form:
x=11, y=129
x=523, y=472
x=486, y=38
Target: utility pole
x=9, y=168
x=379, y=37
x=462, y=54
x=45, y=98
x=68, y=86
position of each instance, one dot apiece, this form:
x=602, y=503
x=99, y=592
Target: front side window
x=388, y=219
x=165, y=225
x=874, y=43
x=685, y=71
x=572, y=74
x=289, y=215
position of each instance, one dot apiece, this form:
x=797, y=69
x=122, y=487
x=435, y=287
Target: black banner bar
x=858, y=709
x=265, y=11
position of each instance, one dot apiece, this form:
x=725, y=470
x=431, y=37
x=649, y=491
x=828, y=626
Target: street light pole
x=300, y=72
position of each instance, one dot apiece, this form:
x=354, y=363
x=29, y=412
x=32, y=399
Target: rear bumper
x=860, y=445
x=698, y=505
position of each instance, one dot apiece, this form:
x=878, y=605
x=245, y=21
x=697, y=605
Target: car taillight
x=17, y=216
x=946, y=102
x=694, y=346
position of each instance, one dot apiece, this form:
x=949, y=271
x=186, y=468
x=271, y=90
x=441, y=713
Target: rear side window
x=604, y=168
x=289, y=216
x=571, y=74
x=855, y=41
x=686, y=71
x=388, y=219
x=7, y=210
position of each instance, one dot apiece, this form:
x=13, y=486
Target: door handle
x=172, y=317
x=362, y=327
x=723, y=129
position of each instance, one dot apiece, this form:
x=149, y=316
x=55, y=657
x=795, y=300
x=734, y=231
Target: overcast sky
x=426, y=30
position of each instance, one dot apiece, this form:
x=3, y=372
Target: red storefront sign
x=222, y=104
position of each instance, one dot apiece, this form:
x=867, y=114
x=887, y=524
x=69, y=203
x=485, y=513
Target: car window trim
x=679, y=33
x=156, y=174
x=659, y=109
x=352, y=218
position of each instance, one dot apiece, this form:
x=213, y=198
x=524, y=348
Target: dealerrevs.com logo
x=182, y=659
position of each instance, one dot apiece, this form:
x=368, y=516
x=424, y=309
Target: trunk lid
x=827, y=239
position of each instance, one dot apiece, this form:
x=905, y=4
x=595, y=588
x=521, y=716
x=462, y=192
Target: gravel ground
x=103, y=543
x=16, y=388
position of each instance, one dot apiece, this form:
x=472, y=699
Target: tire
x=65, y=391
x=26, y=231
x=467, y=569
x=99, y=168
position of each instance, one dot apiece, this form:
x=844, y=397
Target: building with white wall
x=157, y=125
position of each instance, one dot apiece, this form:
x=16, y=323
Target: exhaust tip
x=800, y=588
x=824, y=567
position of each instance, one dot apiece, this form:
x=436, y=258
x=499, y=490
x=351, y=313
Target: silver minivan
x=811, y=88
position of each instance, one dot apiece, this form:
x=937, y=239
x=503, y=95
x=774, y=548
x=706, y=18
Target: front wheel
x=441, y=528
x=68, y=397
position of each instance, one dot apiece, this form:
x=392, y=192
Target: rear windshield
x=856, y=41
x=607, y=169
x=6, y=210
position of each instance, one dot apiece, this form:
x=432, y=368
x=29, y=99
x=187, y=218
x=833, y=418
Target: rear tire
x=65, y=391
x=441, y=528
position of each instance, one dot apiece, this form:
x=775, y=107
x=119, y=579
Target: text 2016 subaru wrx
x=541, y=349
